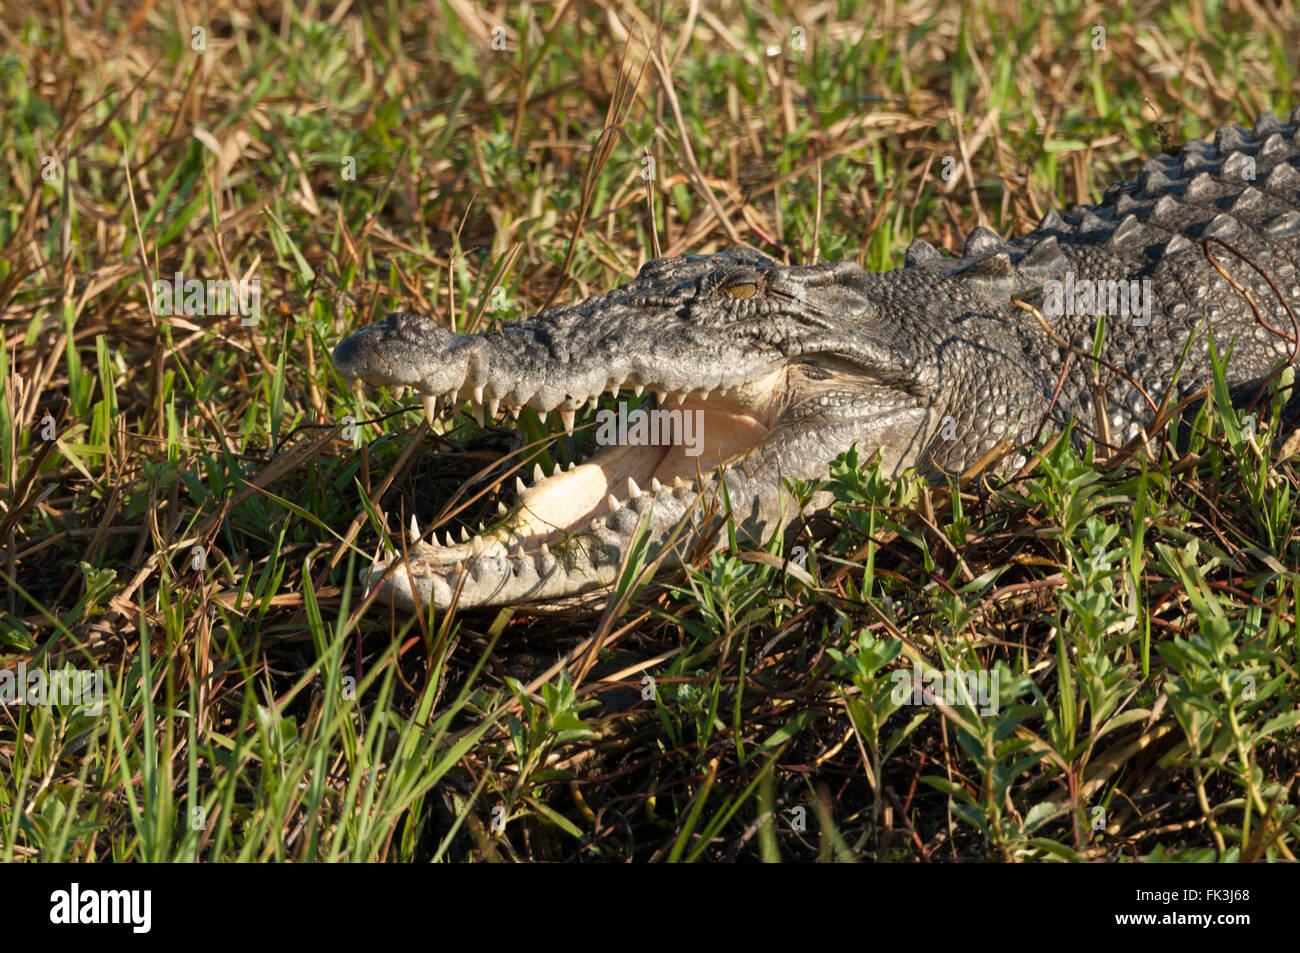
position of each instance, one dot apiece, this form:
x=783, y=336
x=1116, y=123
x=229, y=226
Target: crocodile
x=933, y=365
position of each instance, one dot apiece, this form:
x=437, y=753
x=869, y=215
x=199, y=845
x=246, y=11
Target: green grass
x=187, y=501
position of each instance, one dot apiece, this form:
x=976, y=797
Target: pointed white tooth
x=476, y=546
x=544, y=550
x=638, y=388
x=501, y=508
x=399, y=392
x=633, y=491
x=614, y=505
x=572, y=464
x=538, y=476
x=478, y=394
x=655, y=485
x=660, y=397
x=479, y=415
x=567, y=417
x=415, y=529
x=430, y=407
x=464, y=534
x=519, y=486
x=592, y=401
x=494, y=405
x=614, y=387
x=678, y=481
x=514, y=411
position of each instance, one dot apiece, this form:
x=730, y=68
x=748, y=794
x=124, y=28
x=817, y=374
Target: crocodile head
x=759, y=372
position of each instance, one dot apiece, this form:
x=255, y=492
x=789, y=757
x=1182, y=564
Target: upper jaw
x=512, y=369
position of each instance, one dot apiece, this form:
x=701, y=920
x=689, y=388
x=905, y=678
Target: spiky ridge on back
x=1243, y=188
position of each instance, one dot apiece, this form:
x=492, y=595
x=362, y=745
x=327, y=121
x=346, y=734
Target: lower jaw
x=423, y=581
x=571, y=512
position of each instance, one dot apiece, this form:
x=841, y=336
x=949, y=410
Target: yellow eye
x=747, y=290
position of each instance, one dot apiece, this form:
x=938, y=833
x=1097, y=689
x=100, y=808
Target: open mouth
x=645, y=458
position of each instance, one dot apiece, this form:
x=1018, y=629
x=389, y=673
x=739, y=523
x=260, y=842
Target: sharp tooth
x=493, y=406
x=544, y=551
x=613, y=503
x=501, y=508
x=633, y=491
x=660, y=397
x=614, y=386
x=638, y=388
x=655, y=485
x=476, y=546
x=435, y=540
x=572, y=464
x=678, y=481
x=430, y=407
x=415, y=529
x=514, y=411
x=478, y=394
x=591, y=401
x=399, y=392
x=519, y=486
x=464, y=534
x=478, y=414
x=566, y=417
x=538, y=476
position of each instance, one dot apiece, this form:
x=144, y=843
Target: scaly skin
x=932, y=364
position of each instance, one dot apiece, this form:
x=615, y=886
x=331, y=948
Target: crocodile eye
x=746, y=290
